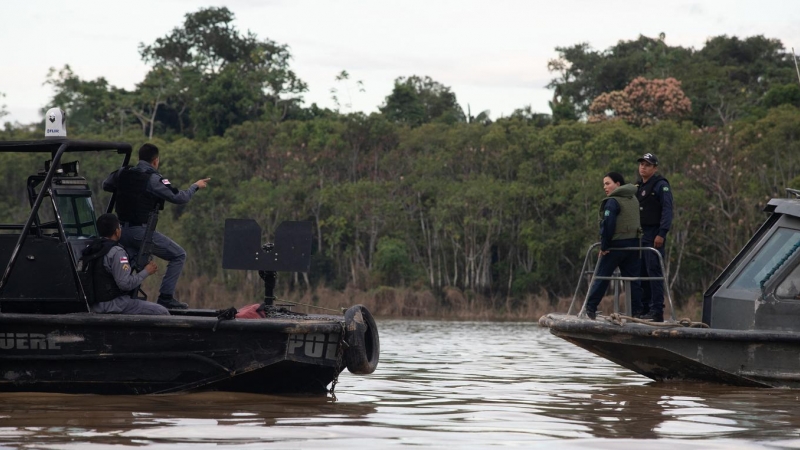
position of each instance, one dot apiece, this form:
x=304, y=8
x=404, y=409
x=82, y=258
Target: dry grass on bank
x=395, y=303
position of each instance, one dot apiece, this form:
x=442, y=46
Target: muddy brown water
x=438, y=385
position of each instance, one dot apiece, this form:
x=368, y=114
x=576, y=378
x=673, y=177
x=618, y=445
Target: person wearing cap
x=655, y=209
x=619, y=228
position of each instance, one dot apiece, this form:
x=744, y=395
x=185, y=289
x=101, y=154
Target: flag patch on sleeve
x=123, y=260
x=165, y=181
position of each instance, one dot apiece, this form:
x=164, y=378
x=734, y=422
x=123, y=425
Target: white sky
x=493, y=54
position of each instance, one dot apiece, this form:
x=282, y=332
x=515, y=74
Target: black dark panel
x=243, y=247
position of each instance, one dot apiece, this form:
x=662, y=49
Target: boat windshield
x=771, y=254
x=77, y=215
x=789, y=289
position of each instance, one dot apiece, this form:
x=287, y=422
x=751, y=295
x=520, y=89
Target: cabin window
x=789, y=288
x=77, y=215
x=768, y=257
x=47, y=217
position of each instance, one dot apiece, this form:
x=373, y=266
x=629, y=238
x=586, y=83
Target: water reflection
x=440, y=384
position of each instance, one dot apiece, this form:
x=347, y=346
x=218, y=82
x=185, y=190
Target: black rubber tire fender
x=361, y=335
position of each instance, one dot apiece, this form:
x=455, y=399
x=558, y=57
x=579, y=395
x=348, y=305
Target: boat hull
x=117, y=354
x=735, y=357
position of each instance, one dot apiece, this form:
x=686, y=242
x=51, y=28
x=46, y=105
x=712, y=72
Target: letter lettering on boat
x=331, y=353
x=295, y=341
x=38, y=341
x=6, y=341
x=313, y=345
x=27, y=341
x=22, y=341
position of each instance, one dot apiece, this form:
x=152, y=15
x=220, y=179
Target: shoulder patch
x=608, y=213
x=165, y=181
x=126, y=267
x=666, y=188
x=123, y=260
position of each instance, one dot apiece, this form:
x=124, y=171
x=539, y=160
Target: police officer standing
x=139, y=190
x=655, y=208
x=619, y=228
x=110, y=274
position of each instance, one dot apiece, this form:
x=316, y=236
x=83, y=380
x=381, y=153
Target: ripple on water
x=439, y=384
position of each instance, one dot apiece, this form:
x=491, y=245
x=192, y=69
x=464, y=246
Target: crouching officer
x=112, y=280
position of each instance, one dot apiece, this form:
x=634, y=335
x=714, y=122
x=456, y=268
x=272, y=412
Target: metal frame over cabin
x=40, y=263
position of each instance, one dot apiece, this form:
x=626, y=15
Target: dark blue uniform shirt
x=663, y=193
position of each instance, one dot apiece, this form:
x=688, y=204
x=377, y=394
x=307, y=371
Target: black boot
x=655, y=316
x=170, y=303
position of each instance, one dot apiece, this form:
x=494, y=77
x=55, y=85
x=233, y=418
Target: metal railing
x=616, y=279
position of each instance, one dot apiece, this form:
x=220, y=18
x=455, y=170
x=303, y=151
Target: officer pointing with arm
x=139, y=190
x=655, y=209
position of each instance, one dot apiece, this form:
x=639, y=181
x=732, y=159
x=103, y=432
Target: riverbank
x=398, y=302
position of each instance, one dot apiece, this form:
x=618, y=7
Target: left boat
x=50, y=341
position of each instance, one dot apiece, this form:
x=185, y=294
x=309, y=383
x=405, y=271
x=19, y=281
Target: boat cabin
x=760, y=288
x=39, y=258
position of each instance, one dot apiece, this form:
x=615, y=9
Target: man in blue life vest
x=140, y=189
x=110, y=274
x=655, y=208
x=619, y=228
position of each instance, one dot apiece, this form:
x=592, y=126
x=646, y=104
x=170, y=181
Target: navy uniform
x=113, y=281
x=655, y=209
x=140, y=189
x=619, y=228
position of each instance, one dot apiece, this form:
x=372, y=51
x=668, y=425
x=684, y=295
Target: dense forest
x=423, y=197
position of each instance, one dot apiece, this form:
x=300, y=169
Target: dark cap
x=649, y=157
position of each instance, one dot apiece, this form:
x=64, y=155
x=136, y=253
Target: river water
x=438, y=385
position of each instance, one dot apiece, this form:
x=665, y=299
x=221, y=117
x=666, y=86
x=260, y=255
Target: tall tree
x=417, y=100
x=91, y=105
x=724, y=80
x=207, y=56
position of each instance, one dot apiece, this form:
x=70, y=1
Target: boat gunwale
x=322, y=324
x=562, y=323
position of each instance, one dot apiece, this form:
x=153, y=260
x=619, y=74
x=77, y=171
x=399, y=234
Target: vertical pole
x=34, y=211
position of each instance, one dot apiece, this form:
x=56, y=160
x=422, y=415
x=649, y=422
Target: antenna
x=794, y=55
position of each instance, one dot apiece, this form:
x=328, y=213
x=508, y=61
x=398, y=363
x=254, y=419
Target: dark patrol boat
x=50, y=341
x=750, y=330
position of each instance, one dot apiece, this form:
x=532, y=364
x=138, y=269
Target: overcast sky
x=493, y=54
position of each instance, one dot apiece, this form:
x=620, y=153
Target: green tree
x=584, y=73
x=91, y=105
x=783, y=94
x=724, y=80
x=418, y=100
x=3, y=110
x=393, y=264
x=343, y=79
x=207, y=56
